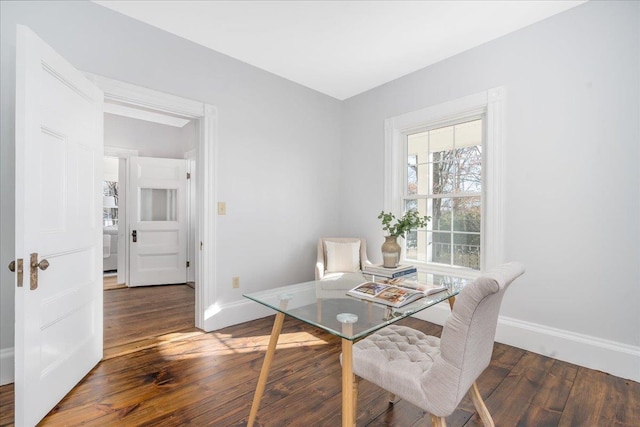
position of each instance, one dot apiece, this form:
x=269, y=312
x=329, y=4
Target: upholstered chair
x=435, y=373
x=340, y=258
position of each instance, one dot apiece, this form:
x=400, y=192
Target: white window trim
x=492, y=104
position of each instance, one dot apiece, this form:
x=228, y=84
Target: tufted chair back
x=466, y=343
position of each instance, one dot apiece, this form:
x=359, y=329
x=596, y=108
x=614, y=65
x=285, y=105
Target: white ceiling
x=340, y=48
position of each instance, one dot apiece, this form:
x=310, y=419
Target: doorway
x=145, y=223
x=204, y=117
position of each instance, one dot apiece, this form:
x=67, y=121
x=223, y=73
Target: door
x=157, y=221
x=59, y=148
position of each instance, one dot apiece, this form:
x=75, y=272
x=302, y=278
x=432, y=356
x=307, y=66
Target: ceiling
x=340, y=48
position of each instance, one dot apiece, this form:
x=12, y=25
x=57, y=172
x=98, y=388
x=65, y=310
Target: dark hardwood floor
x=194, y=378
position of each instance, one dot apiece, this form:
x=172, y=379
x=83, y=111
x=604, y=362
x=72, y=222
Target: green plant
x=409, y=221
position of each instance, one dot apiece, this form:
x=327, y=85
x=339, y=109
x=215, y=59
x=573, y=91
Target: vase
x=390, y=252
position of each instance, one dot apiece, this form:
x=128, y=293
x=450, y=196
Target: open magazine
x=395, y=295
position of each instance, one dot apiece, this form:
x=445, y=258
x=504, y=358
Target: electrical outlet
x=222, y=208
x=235, y=281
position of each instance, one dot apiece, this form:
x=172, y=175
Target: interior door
x=157, y=221
x=58, y=305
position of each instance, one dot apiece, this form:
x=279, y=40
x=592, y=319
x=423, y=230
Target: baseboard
x=621, y=360
x=7, y=374
x=246, y=310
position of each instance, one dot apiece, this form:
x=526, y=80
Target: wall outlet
x=235, y=282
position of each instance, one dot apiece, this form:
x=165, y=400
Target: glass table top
x=326, y=305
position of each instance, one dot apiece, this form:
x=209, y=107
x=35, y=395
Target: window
x=110, y=203
x=446, y=162
x=444, y=181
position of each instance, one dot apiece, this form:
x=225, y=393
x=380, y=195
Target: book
x=389, y=274
x=379, y=270
x=393, y=295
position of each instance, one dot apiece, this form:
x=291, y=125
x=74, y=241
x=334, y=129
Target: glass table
x=346, y=317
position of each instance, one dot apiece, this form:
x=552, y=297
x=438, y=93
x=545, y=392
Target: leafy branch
x=410, y=221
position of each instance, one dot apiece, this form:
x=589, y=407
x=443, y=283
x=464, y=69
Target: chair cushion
x=396, y=358
x=342, y=256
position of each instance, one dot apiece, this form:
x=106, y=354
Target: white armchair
x=340, y=258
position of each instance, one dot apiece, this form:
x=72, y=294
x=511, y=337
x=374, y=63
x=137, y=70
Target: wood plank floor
x=209, y=379
x=111, y=282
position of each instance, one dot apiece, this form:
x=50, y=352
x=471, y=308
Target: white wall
x=278, y=142
x=572, y=152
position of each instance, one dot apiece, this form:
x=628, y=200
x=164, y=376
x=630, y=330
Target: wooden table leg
x=266, y=366
x=349, y=393
x=348, y=380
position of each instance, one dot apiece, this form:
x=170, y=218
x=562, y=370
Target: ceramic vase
x=390, y=252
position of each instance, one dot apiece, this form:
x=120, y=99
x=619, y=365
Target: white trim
x=124, y=153
x=131, y=95
x=491, y=102
x=245, y=310
x=494, y=184
x=207, y=190
x=619, y=359
x=148, y=116
x=191, y=157
x=7, y=363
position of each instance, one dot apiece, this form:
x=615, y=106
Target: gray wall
x=278, y=141
x=572, y=155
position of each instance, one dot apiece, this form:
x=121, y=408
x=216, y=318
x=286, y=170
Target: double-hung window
x=444, y=181
x=446, y=162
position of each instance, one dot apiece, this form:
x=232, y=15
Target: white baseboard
x=7, y=374
x=246, y=310
x=621, y=360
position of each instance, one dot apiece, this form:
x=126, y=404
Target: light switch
x=222, y=208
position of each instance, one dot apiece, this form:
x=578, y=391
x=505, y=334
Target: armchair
x=340, y=257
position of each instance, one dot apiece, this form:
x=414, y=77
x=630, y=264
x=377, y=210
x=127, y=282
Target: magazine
x=394, y=295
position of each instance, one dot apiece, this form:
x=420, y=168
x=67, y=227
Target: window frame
x=491, y=105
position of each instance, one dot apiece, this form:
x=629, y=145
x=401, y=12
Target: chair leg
x=438, y=421
x=483, y=412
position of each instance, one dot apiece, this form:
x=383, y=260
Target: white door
x=157, y=221
x=58, y=324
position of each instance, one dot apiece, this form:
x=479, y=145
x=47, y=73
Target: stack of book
x=389, y=273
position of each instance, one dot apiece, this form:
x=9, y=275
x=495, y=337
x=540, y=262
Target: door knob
x=17, y=266
x=43, y=265
x=35, y=265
